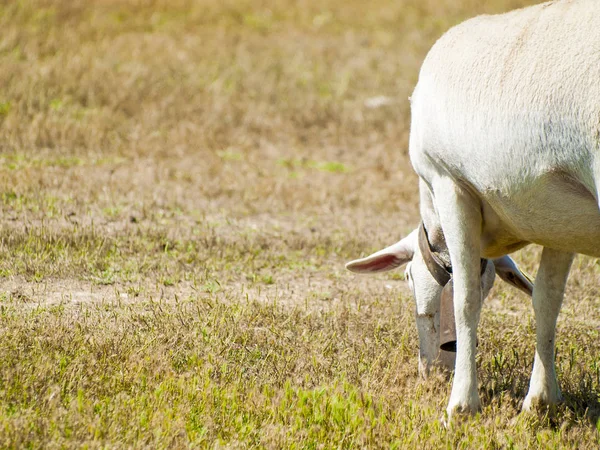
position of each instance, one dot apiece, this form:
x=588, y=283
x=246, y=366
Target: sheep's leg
x=460, y=216
x=548, y=293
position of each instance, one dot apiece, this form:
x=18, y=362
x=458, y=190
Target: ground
x=181, y=183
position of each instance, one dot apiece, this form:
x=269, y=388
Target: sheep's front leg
x=460, y=217
x=548, y=293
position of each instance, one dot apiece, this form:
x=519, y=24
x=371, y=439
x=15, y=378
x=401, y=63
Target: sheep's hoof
x=540, y=404
x=460, y=411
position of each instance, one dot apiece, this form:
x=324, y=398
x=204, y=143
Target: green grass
x=207, y=369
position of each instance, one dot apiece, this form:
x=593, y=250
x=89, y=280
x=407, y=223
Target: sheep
x=505, y=139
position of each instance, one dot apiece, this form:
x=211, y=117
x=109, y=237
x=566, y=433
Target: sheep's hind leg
x=548, y=294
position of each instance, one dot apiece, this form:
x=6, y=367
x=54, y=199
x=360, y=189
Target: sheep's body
x=509, y=105
x=505, y=138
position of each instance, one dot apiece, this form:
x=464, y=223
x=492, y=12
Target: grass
x=211, y=368
x=180, y=185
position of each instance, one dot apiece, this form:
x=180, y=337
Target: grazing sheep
x=505, y=138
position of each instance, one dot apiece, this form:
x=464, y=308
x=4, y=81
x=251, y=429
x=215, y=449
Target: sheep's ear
x=508, y=270
x=387, y=259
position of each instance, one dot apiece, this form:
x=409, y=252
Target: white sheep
x=505, y=138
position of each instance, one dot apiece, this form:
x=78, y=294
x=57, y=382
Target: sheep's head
x=425, y=274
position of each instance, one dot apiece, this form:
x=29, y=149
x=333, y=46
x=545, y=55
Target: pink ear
x=508, y=270
x=387, y=259
x=373, y=263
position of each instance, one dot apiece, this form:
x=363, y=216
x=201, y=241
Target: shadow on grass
x=584, y=405
x=580, y=404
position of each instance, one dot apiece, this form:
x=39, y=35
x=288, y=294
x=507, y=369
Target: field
x=181, y=183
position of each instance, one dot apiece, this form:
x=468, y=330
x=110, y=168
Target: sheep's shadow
x=580, y=397
x=583, y=405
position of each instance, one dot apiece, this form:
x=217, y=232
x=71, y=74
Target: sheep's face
x=428, y=292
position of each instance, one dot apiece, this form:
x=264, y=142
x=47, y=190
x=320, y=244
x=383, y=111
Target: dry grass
x=180, y=184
